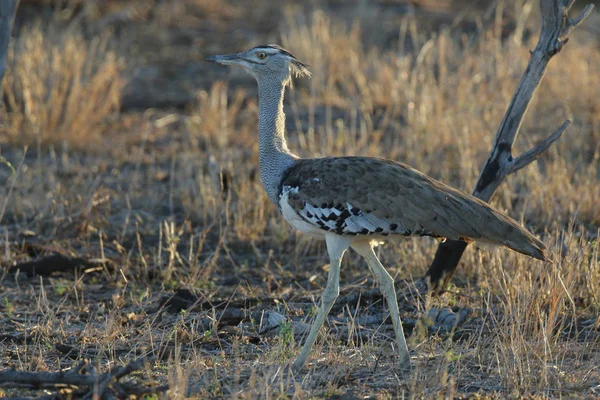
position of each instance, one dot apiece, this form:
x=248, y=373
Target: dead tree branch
x=85, y=380
x=556, y=26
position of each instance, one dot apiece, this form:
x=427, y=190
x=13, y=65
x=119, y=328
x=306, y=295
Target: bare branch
x=556, y=26
x=574, y=23
x=531, y=155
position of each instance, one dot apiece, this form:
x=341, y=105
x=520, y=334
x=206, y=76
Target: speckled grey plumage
x=370, y=196
x=274, y=155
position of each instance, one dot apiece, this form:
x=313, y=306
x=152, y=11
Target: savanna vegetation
x=133, y=224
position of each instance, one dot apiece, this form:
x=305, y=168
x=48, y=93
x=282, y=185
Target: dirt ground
x=133, y=223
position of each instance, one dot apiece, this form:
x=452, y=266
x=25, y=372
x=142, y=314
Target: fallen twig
x=55, y=263
x=85, y=380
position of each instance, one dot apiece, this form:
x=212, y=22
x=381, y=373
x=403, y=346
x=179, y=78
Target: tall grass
x=60, y=86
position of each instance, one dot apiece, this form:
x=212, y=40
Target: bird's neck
x=274, y=155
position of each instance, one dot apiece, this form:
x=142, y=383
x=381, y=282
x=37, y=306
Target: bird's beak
x=225, y=59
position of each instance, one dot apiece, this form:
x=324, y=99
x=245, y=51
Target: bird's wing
x=360, y=195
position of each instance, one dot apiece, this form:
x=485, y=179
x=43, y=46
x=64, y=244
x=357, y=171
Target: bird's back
x=371, y=196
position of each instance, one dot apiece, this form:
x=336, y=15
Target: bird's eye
x=261, y=55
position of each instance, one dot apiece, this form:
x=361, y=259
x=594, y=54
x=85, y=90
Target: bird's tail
x=528, y=244
x=509, y=233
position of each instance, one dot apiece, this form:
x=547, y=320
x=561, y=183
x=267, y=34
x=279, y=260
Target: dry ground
x=141, y=170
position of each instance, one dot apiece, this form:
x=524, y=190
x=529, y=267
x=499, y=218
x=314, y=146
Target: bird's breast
x=295, y=219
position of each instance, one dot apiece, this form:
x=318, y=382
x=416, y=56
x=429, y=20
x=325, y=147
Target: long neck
x=274, y=155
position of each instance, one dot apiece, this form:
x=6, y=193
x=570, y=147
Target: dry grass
x=60, y=86
x=170, y=200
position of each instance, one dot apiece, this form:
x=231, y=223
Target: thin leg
x=386, y=284
x=336, y=247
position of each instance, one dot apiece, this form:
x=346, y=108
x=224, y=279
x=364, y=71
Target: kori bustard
x=358, y=202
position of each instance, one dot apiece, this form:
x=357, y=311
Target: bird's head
x=269, y=61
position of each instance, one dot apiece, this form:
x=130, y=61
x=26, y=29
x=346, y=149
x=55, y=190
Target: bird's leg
x=336, y=246
x=386, y=285
x=330, y=293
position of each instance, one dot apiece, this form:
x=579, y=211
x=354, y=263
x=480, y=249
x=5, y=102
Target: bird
x=359, y=202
